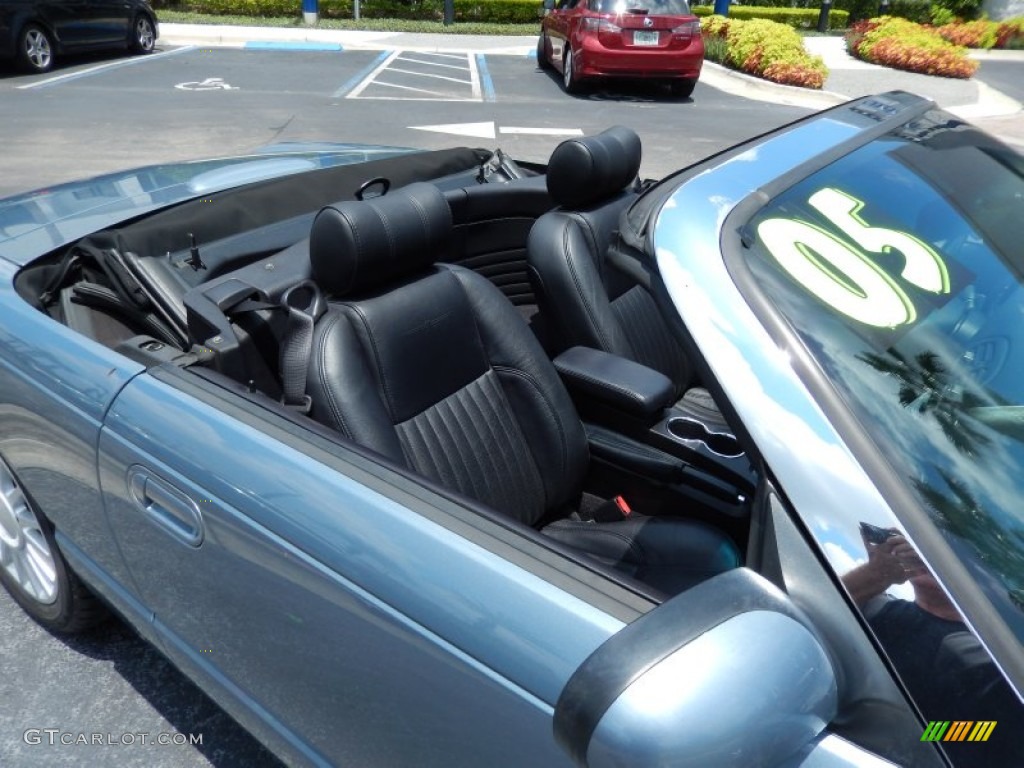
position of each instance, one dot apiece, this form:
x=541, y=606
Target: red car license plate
x=645, y=38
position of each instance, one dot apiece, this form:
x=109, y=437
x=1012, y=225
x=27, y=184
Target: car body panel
x=347, y=595
x=57, y=388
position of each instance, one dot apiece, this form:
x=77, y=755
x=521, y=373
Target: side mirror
x=728, y=673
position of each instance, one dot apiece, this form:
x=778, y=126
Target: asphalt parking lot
x=97, y=114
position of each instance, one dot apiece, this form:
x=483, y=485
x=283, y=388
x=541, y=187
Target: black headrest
x=592, y=168
x=355, y=245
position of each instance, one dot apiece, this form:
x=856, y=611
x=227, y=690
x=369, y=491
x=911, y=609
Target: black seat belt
x=305, y=305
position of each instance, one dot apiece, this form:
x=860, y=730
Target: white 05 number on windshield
x=838, y=271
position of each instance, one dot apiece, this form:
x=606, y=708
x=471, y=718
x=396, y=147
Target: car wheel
x=35, y=49
x=143, y=35
x=569, y=79
x=542, y=53
x=682, y=89
x=32, y=568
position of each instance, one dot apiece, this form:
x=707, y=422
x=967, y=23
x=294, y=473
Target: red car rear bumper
x=595, y=60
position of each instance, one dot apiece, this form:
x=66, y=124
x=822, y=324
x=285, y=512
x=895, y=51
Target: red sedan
x=586, y=39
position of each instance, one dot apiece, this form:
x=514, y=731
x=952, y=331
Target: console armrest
x=615, y=381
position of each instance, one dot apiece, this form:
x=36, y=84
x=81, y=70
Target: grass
x=370, y=25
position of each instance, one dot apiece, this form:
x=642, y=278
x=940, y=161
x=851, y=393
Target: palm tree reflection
x=925, y=387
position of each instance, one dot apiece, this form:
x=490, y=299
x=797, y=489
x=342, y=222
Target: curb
x=740, y=84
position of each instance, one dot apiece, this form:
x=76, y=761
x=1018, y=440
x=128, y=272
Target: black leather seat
x=584, y=299
x=432, y=367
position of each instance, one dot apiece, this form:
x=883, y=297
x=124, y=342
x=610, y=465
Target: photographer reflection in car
x=946, y=669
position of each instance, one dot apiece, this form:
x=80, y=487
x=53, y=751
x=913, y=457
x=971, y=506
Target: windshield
x=650, y=7
x=900, y=266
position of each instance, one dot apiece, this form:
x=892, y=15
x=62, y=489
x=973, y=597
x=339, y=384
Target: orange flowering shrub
x=902, y=44
x=762, y=48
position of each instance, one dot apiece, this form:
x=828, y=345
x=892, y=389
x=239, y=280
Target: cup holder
x=719, y=443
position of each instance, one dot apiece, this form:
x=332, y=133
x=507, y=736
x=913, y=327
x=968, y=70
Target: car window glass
x=899, y=266
x=650, y=7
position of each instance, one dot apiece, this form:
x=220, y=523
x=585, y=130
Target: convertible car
x=437, y=458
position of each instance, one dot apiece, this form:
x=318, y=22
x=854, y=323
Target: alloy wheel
x=24, y=552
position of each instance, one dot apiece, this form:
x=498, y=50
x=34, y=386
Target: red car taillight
x=591, y=24
x=687, y=29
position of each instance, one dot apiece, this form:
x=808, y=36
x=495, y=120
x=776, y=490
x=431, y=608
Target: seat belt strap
x=304, y=304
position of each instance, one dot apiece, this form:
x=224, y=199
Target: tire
x=143, y=35
x=32, y=568
x=35, y=49
x=570, y=82
x=542, y=53
x=682, y=89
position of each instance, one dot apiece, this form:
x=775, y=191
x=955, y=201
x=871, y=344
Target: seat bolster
x=670, y=554
x=569, y=288
x=344, y=389
x=549, y=421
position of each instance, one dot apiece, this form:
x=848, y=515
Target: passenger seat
x=584, y=299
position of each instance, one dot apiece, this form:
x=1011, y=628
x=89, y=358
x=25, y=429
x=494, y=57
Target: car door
x=108, y=21
x=68, y=19
x=341, y=612
x=559, y=26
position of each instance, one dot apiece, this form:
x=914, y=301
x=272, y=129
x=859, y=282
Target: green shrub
x=494, y=11
x=960, y=9
x=797, y=18
x=766, y=49
x=902, y=44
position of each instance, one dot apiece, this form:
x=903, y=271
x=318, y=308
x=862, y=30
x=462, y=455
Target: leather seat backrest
x=430, y=365
x=585, y=300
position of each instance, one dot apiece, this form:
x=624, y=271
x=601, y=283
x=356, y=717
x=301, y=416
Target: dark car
x=589, y=39
x=436, y=459
x=33, y=32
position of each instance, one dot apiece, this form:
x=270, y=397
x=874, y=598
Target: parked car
x=587, y=40
x=436, y=458
x=33, y=32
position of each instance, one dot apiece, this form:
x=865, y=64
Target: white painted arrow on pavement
x=488, y=130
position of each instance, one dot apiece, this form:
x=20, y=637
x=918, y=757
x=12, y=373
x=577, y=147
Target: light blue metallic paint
x=320, y=595
x=750, y=691
x=55, y=388
x=831, y=751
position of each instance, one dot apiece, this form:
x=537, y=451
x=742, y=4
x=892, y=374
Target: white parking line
x=103, y=68
x=434, y=64
x=354, y=93
x=540, y=131
x=410, y=88
x=422, y=65
x=427, y=74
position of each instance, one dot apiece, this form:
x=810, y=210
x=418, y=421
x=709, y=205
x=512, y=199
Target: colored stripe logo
x=958, y=730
